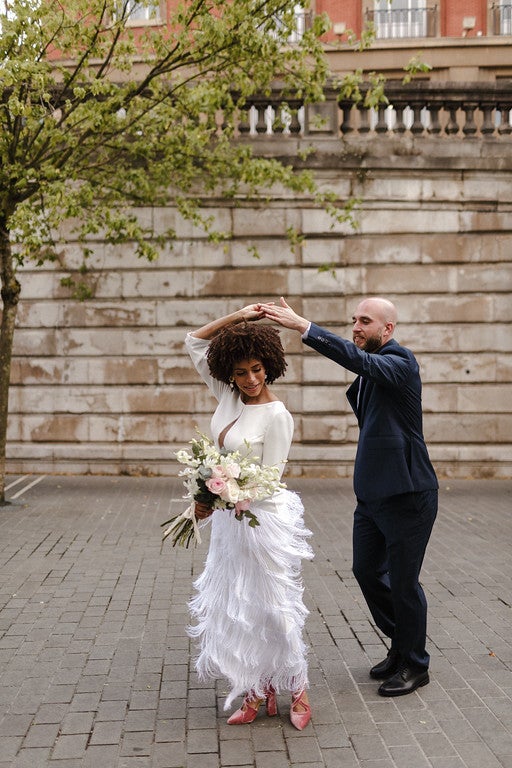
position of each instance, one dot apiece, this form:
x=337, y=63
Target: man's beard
x=373, y=343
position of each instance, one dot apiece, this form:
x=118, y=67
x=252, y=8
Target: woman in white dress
x=248, y=608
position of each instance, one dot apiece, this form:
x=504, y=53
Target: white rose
x=231, y=492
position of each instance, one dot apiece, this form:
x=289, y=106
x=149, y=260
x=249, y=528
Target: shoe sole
x=404, y=693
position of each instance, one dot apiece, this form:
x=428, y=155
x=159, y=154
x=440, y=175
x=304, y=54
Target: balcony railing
x=404, y=22
x=501, y=19
x=302, y=22
x=419, y=109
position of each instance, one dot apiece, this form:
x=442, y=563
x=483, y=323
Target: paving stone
x=204, y=761
x=77, y=722
x=271, y=760
x=106, y=733
x=236, y=752
x=136, y=744
x=69, y=747
x=169, y=756
x=100, y=756
x=31, y=758
x=9, y=746
x=14, y=725
x=202, y=741
x=41, y=735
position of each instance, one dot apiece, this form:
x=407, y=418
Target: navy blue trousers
x=390, y=537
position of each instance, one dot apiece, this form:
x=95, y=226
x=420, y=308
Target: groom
x=394, y=481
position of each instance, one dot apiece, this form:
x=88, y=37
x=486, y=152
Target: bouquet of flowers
x=223, y=481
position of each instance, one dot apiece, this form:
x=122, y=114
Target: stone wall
x=104, y=386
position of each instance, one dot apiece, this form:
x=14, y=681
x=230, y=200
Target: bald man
x=394, y=481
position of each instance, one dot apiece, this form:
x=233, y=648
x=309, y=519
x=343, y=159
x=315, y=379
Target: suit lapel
x=364, y=388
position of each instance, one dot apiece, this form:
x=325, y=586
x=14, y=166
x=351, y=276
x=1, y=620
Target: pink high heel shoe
x=300, y=711
x=270, y=701
x=247, y=712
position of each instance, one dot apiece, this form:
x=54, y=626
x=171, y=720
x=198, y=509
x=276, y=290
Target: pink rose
x=216, y=485
x=242, y=506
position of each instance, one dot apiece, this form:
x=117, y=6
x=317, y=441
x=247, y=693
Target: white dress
x=248, y=608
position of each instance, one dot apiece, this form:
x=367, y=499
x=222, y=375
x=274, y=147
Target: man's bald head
x=383, y=308
x=374, y=322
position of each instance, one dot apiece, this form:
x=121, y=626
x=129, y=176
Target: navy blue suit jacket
x=391, y=457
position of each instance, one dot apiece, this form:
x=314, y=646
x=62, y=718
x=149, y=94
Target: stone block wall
x=104, y=386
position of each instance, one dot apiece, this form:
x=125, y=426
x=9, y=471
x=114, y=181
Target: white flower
x=231, y=492
x=232, y=469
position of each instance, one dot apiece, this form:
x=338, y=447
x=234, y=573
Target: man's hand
x=284, y=315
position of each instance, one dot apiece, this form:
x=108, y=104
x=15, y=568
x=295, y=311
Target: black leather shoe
x=406, y=680
x=386, y=668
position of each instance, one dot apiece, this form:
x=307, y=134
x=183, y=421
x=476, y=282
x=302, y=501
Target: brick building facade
x=402, y=19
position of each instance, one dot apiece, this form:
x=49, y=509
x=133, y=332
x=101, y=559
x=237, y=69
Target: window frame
x=150, y=21
x=390, y=29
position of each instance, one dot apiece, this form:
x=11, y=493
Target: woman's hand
x=202, y=510
x=252, y=312
x=248, y=313
x=283, y=314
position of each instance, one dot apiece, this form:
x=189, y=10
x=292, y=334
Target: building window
x=140, y=13
x=502, y=17
x=302, y=21
x=400, y=18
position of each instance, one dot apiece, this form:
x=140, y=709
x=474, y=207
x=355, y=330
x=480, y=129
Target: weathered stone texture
x=105, y=385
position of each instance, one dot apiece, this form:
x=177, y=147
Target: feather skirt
x=248, y=607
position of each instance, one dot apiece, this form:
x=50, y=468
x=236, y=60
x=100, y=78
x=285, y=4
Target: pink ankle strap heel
x=300, y=711
x=270, y=701
x=247, y=712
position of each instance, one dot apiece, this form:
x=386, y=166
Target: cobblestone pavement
x=95, y=663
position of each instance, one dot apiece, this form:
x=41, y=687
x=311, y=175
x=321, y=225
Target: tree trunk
x=10, y=295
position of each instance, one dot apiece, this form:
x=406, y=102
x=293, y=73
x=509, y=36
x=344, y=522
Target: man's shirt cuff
x=306, y=332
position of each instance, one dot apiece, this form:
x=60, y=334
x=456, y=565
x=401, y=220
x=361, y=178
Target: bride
x=248, y=608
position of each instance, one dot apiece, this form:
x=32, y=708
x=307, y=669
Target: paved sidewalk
x=95, y=663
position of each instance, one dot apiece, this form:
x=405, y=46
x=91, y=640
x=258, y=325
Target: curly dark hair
x=246, y=341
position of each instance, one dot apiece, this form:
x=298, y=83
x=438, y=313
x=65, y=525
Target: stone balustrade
x=420, y=108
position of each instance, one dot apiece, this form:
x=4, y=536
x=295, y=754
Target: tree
x=98, y=117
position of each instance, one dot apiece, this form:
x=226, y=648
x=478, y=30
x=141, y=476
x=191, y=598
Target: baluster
x=469, y=129
x=452, y=126
x=261, y=123
x=435, y=125
x=346, y=109
x=364, y=123
x=399, y=124
x=277, y=122
x=417, y=126
x=295, y=126
x=244, y=124
x=505, y=127
x=381, y=126
x=488, y=126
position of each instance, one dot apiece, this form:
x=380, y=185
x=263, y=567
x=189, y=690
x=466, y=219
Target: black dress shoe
x=406, y=680
x=386, y=668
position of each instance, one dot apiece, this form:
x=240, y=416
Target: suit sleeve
x=390, y=367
